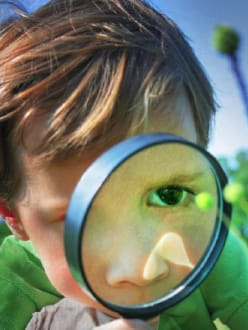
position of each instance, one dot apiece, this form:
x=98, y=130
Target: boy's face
x=42, y=206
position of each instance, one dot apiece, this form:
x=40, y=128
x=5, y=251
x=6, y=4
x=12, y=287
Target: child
x=77, y=77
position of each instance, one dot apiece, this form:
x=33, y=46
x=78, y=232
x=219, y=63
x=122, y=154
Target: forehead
x=176, y=119
x=165, y=163
x=172, y=115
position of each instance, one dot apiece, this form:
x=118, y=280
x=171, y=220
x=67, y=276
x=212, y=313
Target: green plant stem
x=240, y=79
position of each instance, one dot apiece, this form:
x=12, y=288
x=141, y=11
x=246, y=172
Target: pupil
x=170, y=196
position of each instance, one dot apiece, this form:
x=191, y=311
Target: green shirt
x=24, y=289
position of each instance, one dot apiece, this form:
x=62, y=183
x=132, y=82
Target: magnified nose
x=118, y=275
x=130, y=272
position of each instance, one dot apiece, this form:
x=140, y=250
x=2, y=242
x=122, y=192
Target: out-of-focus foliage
x=225, y=39
x=237, y=172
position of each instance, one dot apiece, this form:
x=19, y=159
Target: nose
x=129, y=270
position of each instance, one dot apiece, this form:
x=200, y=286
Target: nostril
x=118, y=276
x=121, y=283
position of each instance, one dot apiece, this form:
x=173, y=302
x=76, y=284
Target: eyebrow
x=189, y=177
x=186, y=178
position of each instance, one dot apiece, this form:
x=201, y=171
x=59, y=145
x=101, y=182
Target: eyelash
x=187, y=195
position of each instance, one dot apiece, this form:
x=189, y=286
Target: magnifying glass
x=146, y=223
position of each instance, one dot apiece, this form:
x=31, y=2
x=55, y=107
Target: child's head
x=76, y=77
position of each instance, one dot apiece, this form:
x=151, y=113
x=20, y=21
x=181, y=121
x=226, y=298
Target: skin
x=39, y=216
x=152, y=245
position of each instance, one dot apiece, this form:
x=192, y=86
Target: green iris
x=169, y=196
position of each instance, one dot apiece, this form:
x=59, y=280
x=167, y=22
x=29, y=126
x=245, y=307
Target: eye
x=170, y=196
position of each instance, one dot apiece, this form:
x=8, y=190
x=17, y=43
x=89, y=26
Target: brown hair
x=86, y=68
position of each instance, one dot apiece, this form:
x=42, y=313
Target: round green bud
x=204, y=201
x=225, y=39
x=233, y=192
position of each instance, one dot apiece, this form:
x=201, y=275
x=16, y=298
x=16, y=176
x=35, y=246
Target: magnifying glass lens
x=145, y=231
x=147, y=221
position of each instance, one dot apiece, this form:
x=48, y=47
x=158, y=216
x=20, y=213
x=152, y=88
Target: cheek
x=66, y=285
x=58, y=272
x=197, y=235
x=48, y=240
x=53, y=260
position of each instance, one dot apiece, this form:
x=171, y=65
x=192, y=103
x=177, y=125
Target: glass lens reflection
x=145, y=232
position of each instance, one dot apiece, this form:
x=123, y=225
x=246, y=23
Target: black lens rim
x=93, y=178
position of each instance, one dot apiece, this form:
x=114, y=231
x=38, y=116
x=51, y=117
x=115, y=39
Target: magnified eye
x=170, y=196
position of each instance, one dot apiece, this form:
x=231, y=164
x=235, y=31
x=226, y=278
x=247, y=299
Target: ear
x=11, y=221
